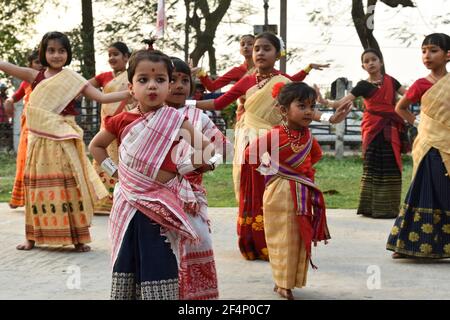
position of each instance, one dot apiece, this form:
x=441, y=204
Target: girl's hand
x=320, y=99
x=195, y=70
x=341, y=112
x=204, y=168
x=318, y=66
x=9, y=107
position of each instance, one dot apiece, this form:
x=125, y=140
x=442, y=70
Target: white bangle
x=325, y=118
x=215, y=160
x=185, y=167
x=109, y=166
x=416, y=123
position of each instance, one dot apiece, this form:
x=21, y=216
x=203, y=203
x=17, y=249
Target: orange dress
x=17, y=194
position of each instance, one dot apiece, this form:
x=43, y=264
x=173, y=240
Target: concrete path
x=354, y=265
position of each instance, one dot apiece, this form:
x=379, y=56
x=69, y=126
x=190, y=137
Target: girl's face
x=180, y=89
x=264, y=54
x=371, y=63
x=117, y=60
x=56, y=54
x=300, y=113
x=36, y=65
x=434, y=57
x=246, y=45
x=150, y=85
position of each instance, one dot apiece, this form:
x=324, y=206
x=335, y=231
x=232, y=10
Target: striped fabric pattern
x=381, y=182
x=145, y=143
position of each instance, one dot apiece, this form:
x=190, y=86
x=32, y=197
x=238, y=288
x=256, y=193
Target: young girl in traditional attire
x=260, y=115
x=150, y=232
x=248, y=67
x=200, y=257
x=24, y=91
x=381, y=128
x=422, y=228
x=61, y=185
x=294, y=207
x=112, y=81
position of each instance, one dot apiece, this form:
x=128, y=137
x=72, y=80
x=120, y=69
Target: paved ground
x=349, y=266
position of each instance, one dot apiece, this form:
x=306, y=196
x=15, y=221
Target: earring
x=284, y=118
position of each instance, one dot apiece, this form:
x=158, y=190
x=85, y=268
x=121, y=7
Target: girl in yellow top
x=60, y=183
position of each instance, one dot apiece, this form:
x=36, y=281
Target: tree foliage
x=135, y=21
x=16, y=19
x=364, y=19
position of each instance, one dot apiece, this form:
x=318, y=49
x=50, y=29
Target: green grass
x=219, y=186
x=339, y=179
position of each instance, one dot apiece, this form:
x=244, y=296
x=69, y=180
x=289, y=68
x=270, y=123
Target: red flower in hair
x=277, y=88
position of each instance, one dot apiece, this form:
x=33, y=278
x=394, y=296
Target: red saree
x=380, y=116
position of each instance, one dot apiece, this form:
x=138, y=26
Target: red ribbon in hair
x=277, y=88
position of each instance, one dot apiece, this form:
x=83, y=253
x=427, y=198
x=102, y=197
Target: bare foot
x=285, y=293
x=80, y=247
x=27, y=245
x=13, y=206
x=397, y=255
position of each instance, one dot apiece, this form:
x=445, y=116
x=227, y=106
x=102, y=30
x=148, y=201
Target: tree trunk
x=205, y=38
x=212, y=60
x=87, y=34
x=364, y=23
x=186, y=31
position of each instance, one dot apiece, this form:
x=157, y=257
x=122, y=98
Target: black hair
x=183, y=67
x=295, y=91
x=374, y=51
x=122, y=47
x=272, y=38
x=32, y=56
x=62, y=39
x=153, y=56
x=247, y=35
x=441, y=40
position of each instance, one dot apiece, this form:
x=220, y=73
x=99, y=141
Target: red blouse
x=117, y=124
x=20, y=93
x=237, y=73
x=103, y=78
x=418, y=89
x=69, y=109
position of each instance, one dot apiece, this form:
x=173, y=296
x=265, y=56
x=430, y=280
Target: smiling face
x=371, y=63
x=180, y=89
x=264, y=54
x=150, y=85
x=117, y=60
x=56, y=54
x=434, y=57
x=246, y=46
x=299, y=114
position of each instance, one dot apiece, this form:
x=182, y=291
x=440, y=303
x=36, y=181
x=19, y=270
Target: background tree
x=87, y=35
x=134, y=21
x=16, y=20
x=364, y=20
x=205, y=22
x=325, y=16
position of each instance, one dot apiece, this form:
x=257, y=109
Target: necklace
x=140, y=112
x=296, y=146
x=262, y=79
x=377, y=83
